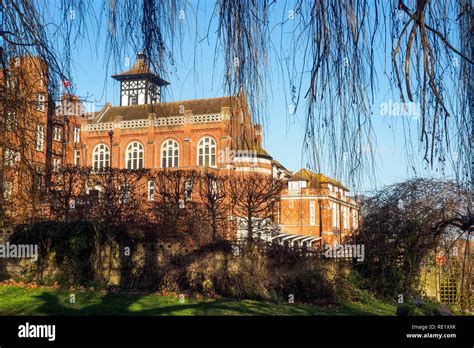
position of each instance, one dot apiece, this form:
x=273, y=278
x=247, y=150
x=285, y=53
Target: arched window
x=134, y=156
x=100, y=157
x=207, y=152
x=169, y=154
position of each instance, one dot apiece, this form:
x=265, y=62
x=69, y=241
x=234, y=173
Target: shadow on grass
x=119, y=304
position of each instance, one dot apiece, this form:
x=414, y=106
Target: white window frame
x=7, y=190
x=56, y=164
x=132, y=97
x=40, y=101
x=312, y=213
x=296, y=185
x=124, y=193
x=76, y=135
x=77, y=157
x=57, y=133
x=214, y=188
x=170, y=154
x=346, y=220
x=355, y=221
x=11, y=121
x=151, y=190
x=135, y=156
x=10, y=81
x=11, y=156
x=39, y=137
x=206, y=152
x=188, y=189
x=100, y=157
x=334, y=214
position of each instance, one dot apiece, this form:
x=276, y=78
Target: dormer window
x=296, y=185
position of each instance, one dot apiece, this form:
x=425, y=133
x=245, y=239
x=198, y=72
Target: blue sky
x=195, y=76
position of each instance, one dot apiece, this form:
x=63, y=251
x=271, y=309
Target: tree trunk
x=470, y=48
x=249, y=226
x=214, y=222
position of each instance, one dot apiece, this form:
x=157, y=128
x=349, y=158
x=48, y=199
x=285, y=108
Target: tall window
x=188, y=189
x=354, y=219
x=10, y=81
x=56, y=164
x=334, y=215
x=11, y=122
x=38, y=179
x=124, y=194
x=214, y=188
x=151, y=190
x=169, y=154
x=77, y=134
x=346, y=217
x=134, y=156
x=207, y=152
x=100, y=157
x=39, y=137
x=77, y=157
x=40, y=102
x=7, y=190
x=11, y=157
x=57, y=134
x=312, y=213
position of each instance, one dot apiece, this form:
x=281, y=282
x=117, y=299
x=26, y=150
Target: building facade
x=215, y=134
x=316, y=208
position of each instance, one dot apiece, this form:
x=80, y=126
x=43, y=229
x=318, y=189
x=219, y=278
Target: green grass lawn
x=16, y=300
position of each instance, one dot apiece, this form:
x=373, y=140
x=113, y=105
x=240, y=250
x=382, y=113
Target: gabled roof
x=138, y=112
x=314, y=179
x=281, y=166
x=140, y=69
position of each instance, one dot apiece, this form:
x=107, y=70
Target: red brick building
x=216, y=134
x=315, y=208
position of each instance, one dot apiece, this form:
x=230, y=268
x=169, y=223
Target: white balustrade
x=158, y=122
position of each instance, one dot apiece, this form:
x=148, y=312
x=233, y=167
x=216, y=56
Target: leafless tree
x=214, y=193
x=174, y=190
x=120, y=194
x=405, y=223
x=253, y=197
x=67, y=194
x=327, y=52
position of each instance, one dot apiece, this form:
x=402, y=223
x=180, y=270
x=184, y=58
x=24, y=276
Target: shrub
x=70, y=244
